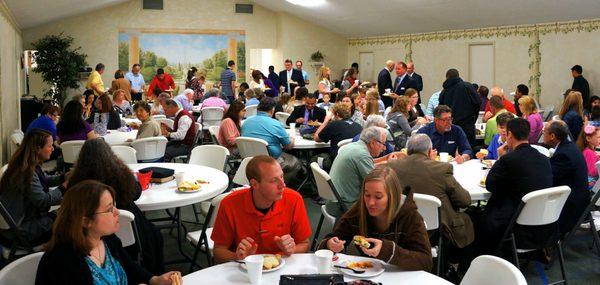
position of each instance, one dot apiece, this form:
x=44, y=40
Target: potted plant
x=317, y=56
x=59, y=65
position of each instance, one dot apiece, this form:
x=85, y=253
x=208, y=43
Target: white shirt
x=182, y=127
x=289, y=77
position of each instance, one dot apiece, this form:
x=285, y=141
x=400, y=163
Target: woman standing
x=350, y=84
x=120, y=83
x=325, y=86
x=528, y=108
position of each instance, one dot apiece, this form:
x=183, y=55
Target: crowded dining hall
x=299, y=142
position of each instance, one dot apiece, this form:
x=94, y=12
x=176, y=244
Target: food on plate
x=188, y=186
x=314, y=123
x=482, y=181
x=404, y=150
x=360, y=264
x=437, y=158
x=484, y=151
x=176, y=279
x=271, y=261
x=488, y=163
x=361, y=241
x=202, y=181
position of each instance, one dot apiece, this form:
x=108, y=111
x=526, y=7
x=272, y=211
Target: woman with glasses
x=415, y=115
x=84, y=248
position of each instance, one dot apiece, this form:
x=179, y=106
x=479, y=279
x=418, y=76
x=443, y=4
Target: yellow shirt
x=95, y=79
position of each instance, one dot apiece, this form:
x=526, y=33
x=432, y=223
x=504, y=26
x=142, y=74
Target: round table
x=302, y=263
x=304, y=144
x=165, y=195
x=115, y=137
x=128, y=121
x=468, y=175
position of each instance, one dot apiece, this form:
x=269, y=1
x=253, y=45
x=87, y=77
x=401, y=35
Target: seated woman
x=84, y=248
x=231, y=125
x=355, y=115
x=588, y=141
x=285, y=100
x=528, y=108
x=149, y=127
x=105, y=118
x=122, y=106
x=572, y=113
x=72, y=126
x=387, y=216
x=415, y=115
x=25, y=189
x=397, y=119
x=98, y=162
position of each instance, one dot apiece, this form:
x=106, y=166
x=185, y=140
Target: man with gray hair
x=568, y=168
x=185, y=100
x=354, y=161
x=424, y=175
x=182, y=135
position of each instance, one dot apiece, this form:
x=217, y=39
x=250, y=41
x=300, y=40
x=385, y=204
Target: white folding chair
x=214, y=156
x=211, y=116
x=549, y=112
x=70, y=150
x=282, y=117
x=126, y=153
x=21, y=271
x=165, y=121
x=214, y=132
x=387, y=112
x=542, y=150
x=251, y=146
x=429, y=209
x=492, y=270
x=15, y=140
x=327, y=191
x=185, y=158
x=344, y=142
x=150, y=149
x=127, y=232
x=537, y=208
x=251, y=111
x=19, y=245
x=480, y=117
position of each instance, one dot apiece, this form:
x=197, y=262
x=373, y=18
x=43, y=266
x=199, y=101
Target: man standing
x=384, y=79
x=581, y=84
x=522, y=90
x=228, y=82
x=181, y=136
x=162, y=82
x=568, y=168
x=95, y=82
x=401, y=84
x=464, y=101
x=304, y=73
x=447, y=137
x=309, y=112
x=410, y=70
x=137, y=82
x=290, y=78
x=274, y=77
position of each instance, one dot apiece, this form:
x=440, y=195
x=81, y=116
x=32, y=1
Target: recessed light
x=307, y=3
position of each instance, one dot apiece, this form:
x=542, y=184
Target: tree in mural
x=124, y=56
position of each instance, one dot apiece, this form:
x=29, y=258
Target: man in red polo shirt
x=162, y=81
x=265, y=218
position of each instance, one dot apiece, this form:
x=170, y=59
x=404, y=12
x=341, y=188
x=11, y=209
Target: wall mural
x=177, y=51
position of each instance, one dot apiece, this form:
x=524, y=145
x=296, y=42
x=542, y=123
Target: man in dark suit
x=464, y=101
x=309, y=112
x=402, y=82
x=568, y=168
x=274, y=77
x=521, y=169
x=416, y=77
x=580, y=84
x=290, y=78
x=384, y=79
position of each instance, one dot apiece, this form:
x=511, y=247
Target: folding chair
x=327, y=191
x=21, y=271
x=251, y=146
x=150, y=149
x=128, y=233
x=429, y=209
x=20, y=246
x=492, y=270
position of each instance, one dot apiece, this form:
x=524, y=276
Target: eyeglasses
x=110, y=210
x=383, y=144
x=447, y=120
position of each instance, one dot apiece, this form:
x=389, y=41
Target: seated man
x=354, y=162
x=520, y=170
x=159, y=102
x=337, y=127
x=568, y=168
x=491, y=128
x=265, y=218
x=498, y=92
x=309, y=112
x=181, y=136
x=499, y=139
x=263, y=126
x=424, y=175
x=186, y=99
x=447, y=137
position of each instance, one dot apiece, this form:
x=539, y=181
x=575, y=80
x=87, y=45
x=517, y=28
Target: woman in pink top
x=588, y=141
x=212, y=99
x=230, y=126
x=529, y=109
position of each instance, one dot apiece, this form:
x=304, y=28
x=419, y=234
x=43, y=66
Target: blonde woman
x=572, y=113
x=528, y=108
x=387, y=216
x=325, y=86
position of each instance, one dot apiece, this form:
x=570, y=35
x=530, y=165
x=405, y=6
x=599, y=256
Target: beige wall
x=10, y=79
x=97, y=32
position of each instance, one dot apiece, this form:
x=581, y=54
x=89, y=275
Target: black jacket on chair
x=296, y=76
x=318, y=114
x=569, y=168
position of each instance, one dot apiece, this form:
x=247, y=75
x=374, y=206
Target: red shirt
x=507, y=105
x=238, y=218
x=165, y=84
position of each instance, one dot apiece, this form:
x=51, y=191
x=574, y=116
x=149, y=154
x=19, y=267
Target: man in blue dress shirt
x=447, y=137
x=137, y=82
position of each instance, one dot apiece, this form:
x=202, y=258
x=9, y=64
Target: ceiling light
x=307, y=3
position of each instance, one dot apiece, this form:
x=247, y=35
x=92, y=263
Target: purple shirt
x=535, y=125
x=80, y=134
x=184, y=102
x=214, y=102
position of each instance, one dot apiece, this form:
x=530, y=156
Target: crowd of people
x=393, y=155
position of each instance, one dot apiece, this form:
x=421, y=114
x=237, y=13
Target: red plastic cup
x=144, y=179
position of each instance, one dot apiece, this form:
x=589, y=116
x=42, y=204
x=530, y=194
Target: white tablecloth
x=128, y=121
x=165, y=195
x=302, y=143
x=115, y=137
x=468, y=175
x=232, y=273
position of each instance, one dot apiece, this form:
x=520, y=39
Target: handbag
x=311, y=279
x=158, y=172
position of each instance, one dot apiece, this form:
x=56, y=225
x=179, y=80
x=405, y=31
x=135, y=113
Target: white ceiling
x=357, y=18
x=31, y=13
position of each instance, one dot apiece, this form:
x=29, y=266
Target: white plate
x=386, y=94
x=281, y=264
x=192, y=191
x=376, y=270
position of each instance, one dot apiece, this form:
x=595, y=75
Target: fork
x=353, y=270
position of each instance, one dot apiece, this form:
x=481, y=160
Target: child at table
x=387, y=216
x=589, y=140
x=499, y=139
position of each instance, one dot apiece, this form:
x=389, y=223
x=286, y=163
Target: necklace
x=99, y=254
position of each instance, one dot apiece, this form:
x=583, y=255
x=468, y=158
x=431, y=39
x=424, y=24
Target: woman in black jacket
x=83, y=249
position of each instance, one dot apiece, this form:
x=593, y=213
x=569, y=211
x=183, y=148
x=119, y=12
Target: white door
x=365, y=66
x=482, y=64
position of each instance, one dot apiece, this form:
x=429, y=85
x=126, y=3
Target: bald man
x=384, y=79
x=410, y=70
x=497, y=91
